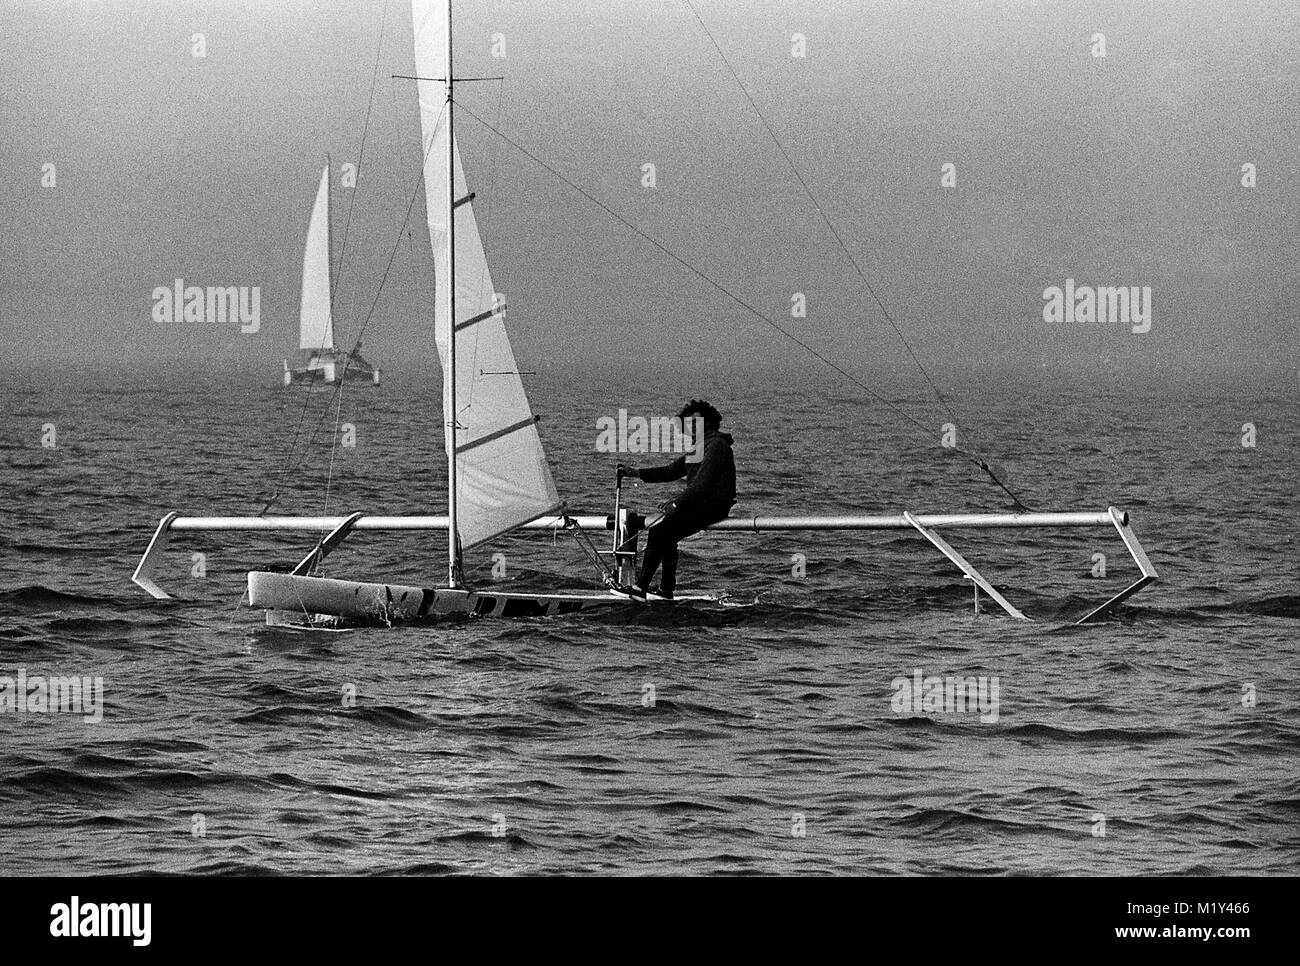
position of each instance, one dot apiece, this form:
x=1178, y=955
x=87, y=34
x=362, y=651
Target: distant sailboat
x=326, y=363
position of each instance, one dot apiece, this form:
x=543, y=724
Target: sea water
x=767, y=736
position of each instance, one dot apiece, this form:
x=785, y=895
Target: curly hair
x=699, y=407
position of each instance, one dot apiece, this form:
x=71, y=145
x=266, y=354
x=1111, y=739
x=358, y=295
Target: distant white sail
x=315, y=324
x=503, y=479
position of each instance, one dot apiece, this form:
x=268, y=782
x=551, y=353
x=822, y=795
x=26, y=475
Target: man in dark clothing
x=709, y=496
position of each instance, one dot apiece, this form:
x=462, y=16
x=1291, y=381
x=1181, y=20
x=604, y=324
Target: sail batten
x=522, y=424
x=502, y=477
x=315, y=320
x=482, y=316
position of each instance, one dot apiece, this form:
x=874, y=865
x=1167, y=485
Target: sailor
x=709, y=495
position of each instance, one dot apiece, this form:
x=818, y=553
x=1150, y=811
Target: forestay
x=503, y=480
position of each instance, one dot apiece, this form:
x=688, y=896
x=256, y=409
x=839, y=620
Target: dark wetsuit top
x=709, y=496
x=710, y=483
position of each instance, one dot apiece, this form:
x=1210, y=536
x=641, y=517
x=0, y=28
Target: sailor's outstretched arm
x=658, y=474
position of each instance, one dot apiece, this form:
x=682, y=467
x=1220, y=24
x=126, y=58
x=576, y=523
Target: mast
x=449, y=383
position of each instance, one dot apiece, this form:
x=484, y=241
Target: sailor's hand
x=625, y=470
x=668, y=506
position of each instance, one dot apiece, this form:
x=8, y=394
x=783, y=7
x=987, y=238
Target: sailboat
x=498, y=477
x=326, y=364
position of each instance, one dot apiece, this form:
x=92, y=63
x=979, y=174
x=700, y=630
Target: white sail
x=315, y=324
x=503, y=479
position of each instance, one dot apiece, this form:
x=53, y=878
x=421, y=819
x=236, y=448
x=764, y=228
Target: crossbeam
x=339, y=527
x=906, y=521
x=749, y=524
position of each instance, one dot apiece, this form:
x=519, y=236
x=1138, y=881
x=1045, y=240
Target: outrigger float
x=498, y=476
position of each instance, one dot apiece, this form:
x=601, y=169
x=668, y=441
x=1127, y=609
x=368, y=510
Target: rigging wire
x=334, y=443
x=289, y=463
x=352, y=203
x=361, y=153
x=417, y=277
x=388, y=267
x=748, y=307
x=982, y=464
x=495, y=128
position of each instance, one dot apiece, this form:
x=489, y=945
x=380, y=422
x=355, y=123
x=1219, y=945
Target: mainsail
x=502, y=478
x=315, y=325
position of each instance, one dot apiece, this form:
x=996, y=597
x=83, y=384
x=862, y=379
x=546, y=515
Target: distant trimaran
x=498, y=477
x=326, y=363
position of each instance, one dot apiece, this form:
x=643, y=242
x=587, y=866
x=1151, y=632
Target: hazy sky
x=1122, y=170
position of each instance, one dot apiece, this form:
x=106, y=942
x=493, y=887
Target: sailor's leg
x=661, y=543
x=668, y=582
x=654, y=553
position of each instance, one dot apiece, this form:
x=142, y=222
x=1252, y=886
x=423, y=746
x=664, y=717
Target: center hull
x=324, y=602
x=331, y=366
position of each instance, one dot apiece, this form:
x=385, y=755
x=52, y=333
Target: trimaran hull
x=300, y=598
x=506, y=484
x=331, y=367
